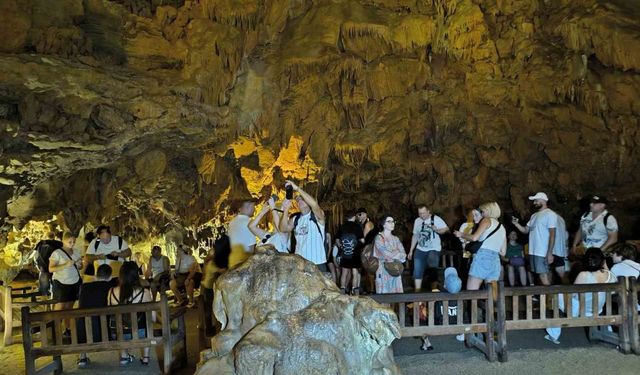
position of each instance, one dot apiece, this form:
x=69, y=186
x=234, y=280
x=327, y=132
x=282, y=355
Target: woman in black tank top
x=127, y=292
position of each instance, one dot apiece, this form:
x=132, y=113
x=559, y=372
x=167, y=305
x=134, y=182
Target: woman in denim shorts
x=485, y=266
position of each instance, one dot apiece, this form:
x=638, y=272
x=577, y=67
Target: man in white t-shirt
x=426, y=244
x=307, y=227
x=107, y=248
x=542, y=235
x=242, y=241
x=598, y=228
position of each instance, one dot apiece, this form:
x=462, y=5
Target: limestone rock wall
x=280, y=315
x=145, y=112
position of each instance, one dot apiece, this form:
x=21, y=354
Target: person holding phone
x=306, y=226
x=275, y=238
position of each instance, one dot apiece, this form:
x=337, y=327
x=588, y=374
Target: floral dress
x=388, y=251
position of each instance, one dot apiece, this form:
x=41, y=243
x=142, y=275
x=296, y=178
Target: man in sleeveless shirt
x=158, y=272
x=307, y=227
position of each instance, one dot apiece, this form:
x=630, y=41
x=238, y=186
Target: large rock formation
x=280, y=315
x=153, y=112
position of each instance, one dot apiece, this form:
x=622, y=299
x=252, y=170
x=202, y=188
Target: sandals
x=126, y=360
x=144, y=361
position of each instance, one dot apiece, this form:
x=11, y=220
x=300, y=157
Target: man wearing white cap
x=542, y=234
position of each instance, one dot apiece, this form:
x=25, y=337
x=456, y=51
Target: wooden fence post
x=166, y=334
x=490, y=319
x=502, y=324
x=27, y=343
x=625, y=345
x=633, y=315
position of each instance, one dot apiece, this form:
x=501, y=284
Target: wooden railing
x=13, y=299
x=113, y=333
x=524, y=308
x=542, y=308
x=634, y=313
x=475, y=315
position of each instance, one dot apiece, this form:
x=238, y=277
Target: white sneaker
x=549, y=338
x=460, y=337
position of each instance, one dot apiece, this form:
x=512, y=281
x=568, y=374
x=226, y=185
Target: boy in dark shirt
x=93, y=295
x=349, y=240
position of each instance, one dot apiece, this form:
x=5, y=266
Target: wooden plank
x=569, y=303
x=460, y=312
x=97, y=347
x=150, y=333
x=445, y=313
x=426, y=297
x=27, y=343
x=594, y=303
x=416, y=314
x=401, y=314
x=543, y=306
x=119, y=327
x=474, y=311
x=79, y=313
x=556, y=289
x=516, y=308
x=581, y=299
x=563, y=322
x=529, y=306
x=74, y=332
x=431, y=313
x=443, y=330
x=7, y=315
x=556, y=305
x=104, y=328
x=134, y=325
x=44, y=338
x=88, y=328
x=57, y=331
x=608, y=304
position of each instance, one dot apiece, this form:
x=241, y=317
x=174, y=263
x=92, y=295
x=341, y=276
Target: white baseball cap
x=539, y=195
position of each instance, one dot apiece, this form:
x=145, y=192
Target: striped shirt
x=310, y=240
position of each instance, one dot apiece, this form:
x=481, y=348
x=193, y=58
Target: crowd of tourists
x=363, y=256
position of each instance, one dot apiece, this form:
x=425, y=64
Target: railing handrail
x=109, y=310
x=557, y=289
x=429, y=296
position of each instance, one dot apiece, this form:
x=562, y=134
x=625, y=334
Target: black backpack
x=44, y=249
x=296, y=217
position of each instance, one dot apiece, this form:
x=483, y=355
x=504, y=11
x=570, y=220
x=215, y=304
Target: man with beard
x=542, y=234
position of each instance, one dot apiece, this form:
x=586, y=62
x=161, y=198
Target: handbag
x=474, y=246
x=369, y=262
x=394, y=268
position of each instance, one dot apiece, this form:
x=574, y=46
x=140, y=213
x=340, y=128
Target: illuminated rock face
x=144, y=112
x=280, y=315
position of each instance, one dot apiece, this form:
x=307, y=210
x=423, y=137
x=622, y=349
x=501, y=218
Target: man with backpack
x=107, y=249
x=426, y=244
x=307, y=227
x=350, y=240
x=598, y=228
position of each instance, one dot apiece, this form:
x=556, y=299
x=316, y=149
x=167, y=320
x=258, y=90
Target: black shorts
x=558, y=262
x=182, y=277
x=161, y=284
x=66, y=293
x=351, y=262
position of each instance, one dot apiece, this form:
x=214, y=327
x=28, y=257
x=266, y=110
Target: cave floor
x=529, y=354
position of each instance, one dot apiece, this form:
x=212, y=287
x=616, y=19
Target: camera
x=289, y=192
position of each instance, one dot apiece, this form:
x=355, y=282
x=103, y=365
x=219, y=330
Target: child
x=452, y=285
x=515, y=259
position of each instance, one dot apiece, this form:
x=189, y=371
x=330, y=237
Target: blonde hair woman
x=485, y=266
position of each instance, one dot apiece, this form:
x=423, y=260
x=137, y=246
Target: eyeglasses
x=389, y=221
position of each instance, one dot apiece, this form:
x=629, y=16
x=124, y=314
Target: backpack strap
x=120, y=240
x=96, y=245
x=605, y=219
x=71, y=259
x=493, y=232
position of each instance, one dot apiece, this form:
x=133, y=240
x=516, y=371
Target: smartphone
x=289, y=190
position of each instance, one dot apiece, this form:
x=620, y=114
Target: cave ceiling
x=145, y=113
